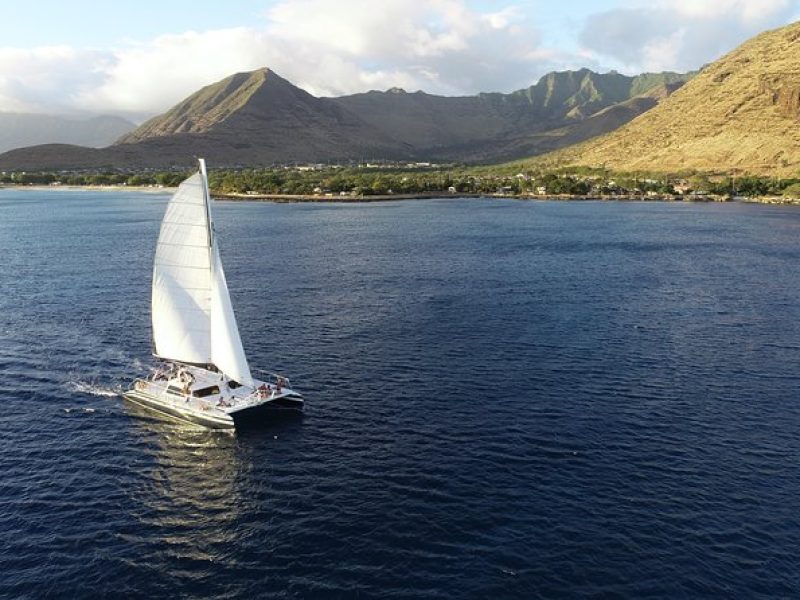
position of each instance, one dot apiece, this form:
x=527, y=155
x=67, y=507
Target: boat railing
x=273, y=378
x=259, y=394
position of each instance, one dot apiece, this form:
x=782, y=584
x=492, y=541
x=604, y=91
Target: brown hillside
x=202, y=110
x=741, y=112
x=258, y=118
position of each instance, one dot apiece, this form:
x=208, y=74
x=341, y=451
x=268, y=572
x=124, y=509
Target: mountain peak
x=215, y=103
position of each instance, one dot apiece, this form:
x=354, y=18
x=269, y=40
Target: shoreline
x=90, y=188
x=297, y=198
x=316, y=198
x=443, y=195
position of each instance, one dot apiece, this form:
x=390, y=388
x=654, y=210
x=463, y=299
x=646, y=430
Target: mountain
x=25, y=129
x=247, y=119
x=741, y=112
x=260, y=118
x=495, y=126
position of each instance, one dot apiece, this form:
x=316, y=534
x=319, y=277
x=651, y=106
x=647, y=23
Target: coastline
x=148, y=189
x=299, y=198
x=442, y=195
x=287, y=198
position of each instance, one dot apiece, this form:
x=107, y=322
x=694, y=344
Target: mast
x=209, y=240
x=207, y=202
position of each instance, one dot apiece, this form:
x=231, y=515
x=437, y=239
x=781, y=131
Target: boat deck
x=208, y=398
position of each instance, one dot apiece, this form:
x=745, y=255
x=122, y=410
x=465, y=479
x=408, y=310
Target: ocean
x=504, y=399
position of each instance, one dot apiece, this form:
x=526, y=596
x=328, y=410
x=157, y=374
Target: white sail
x=182, y=278
x=227, y=352
x=193, y=320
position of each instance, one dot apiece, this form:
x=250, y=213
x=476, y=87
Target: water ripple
x=505, y=399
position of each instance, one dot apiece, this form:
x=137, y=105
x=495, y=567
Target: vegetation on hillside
x=511, y=179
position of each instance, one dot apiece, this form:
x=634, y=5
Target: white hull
x=202, y=397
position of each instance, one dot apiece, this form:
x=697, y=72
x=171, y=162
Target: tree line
x=360, y=181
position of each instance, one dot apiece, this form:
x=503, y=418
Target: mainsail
x=193, y=320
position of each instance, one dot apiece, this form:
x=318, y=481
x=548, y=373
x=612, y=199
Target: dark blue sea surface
x=505, y=399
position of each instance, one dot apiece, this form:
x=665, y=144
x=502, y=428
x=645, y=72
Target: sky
x=137, y=59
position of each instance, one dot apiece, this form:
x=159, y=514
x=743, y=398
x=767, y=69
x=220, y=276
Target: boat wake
x=85, y=387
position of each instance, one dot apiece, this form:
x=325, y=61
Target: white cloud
x=42, y=78
x=746, y=11
x=328, y=47
x=503, y=18
x=334, y=47
x=148, y=77
x=661, y=54
x=417, y=44
x=679, y=34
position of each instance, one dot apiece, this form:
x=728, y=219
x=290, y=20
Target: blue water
x=504, y=400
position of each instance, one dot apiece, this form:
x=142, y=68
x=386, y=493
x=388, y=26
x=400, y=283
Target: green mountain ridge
x=259, y=118
x=558, y=99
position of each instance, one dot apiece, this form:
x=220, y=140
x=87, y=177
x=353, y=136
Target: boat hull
x=214, y=418
x=173, y=410
x=255, y=413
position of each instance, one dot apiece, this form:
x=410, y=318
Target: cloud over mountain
x=335, y=47
x=328, y=47
x=680, y=34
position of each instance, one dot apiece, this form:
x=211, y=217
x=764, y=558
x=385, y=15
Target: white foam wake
x=84, y=387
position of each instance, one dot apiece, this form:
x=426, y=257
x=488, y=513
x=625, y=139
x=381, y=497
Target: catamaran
x=204, y=377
